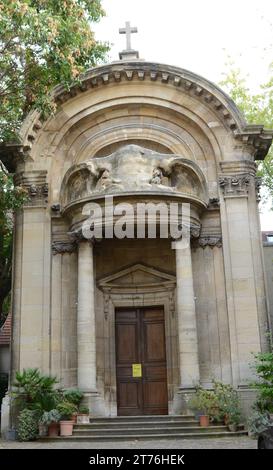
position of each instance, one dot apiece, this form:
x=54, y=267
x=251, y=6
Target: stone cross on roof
x=128, y=53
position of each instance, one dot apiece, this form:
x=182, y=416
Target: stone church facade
x=133, y=322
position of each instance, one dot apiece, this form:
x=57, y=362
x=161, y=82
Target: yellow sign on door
x=137, y=370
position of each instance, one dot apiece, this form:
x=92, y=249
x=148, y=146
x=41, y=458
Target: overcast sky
x=197, y=35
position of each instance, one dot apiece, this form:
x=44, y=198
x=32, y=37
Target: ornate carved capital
x=77, y=236
x=63, y=247
x=210, y=240
x=36, y=186
x=258, y=184
x=235, y=185
x=188, y=230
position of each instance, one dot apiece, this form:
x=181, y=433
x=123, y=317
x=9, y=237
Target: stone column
x=86, y=336
x=187, y=329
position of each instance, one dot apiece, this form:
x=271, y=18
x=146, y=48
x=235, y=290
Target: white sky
x=197, y=35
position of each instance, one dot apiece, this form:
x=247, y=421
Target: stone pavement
x=220, y=443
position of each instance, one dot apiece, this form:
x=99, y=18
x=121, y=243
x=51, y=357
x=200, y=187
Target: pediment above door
x=137, y=278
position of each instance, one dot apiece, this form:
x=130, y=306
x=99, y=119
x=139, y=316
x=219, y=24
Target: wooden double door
x=141, y=362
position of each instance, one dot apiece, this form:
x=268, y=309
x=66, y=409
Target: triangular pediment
x=135, y=277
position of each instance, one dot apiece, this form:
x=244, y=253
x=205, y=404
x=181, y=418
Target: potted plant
x=204, y=401
x=229, y=406
x=50, y=420
x=36, y=393
x=83, y=415
x=74, y=396
x=233, y=417
x=66, y=410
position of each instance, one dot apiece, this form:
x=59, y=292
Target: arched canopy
x=159, y=107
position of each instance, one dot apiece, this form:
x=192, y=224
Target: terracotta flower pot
x=53, y=429
x=66, y=428
x=74, y=418
x=204, y=421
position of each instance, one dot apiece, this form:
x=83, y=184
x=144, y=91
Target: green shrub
x=27, y=425
x=203, y=401
x=228, y=402
x=73, y=396
x=66, y=409
x=263, y=366
x=257, y=423
x=84, y=410
x=34, y=390
x=48, y=417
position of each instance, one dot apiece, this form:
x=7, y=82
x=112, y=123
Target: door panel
x=140, y=339
x=127, y=343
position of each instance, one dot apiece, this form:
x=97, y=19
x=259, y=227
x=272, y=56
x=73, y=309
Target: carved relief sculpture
x=133, y=169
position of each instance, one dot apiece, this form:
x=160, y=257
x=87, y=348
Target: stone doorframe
x=158, y=289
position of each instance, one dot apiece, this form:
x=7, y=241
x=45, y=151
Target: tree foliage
x=42, y=43
x=258, y=109
x=11, y=198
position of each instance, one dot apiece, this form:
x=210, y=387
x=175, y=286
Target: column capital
x=192, y=231
x=35, y=184
x=60, y=247
x=77, y=236
x=235, y=185
x=210, y=240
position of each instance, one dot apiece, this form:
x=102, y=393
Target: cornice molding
x=207, y=92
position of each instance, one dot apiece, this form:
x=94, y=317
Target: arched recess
x=154, y=123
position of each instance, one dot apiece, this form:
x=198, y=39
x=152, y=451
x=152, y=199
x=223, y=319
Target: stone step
x=125, y=424
x=137, y=437
x=120, y=419
x=148, y=430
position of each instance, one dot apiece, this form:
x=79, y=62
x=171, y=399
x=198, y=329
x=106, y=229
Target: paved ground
x=220, y=443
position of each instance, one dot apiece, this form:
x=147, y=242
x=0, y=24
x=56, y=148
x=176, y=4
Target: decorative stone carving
x=35, y=184
x=56, y=207
x=157, y=176
x=76, y=235
x=171, y=302
x=210, y=241
x=106, y=304
x=134, y=169
x=63, y=247
x=193, y=230
x=214, y=203
x=35, y=190
x=258, y=184
x=235, y=185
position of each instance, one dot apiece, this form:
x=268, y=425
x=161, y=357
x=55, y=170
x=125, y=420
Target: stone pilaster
x=238, y=218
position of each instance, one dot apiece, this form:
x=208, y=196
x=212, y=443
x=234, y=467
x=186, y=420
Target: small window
x=270, y=238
